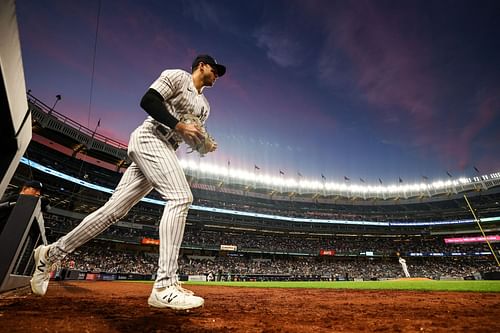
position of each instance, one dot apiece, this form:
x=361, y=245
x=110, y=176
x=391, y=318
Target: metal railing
x=51, y=119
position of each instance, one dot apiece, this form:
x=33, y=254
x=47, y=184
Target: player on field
x=151, y=148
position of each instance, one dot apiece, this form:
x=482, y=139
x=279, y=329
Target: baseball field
x=378, y=306
x=399, y=284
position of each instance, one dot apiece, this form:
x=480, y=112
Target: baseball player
x=405, y=268
x=154, y=165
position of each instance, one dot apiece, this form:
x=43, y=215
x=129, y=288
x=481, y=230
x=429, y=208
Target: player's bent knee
x=186, y=199
x=185, y=196
x=189, y=198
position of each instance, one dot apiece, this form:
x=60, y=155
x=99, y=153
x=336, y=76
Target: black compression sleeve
x=152, y=103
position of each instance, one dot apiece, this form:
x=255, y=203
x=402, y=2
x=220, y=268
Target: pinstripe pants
x=155, y=165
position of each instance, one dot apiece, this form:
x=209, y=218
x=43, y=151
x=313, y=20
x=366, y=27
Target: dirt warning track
x=122, y=307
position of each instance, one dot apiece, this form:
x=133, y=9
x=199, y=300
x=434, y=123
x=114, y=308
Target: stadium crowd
x=303, y=244
x=103, y=258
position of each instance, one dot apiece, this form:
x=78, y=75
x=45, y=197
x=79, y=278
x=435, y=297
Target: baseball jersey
x=177, y=89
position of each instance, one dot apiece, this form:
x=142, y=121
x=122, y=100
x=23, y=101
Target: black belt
x=163, y=131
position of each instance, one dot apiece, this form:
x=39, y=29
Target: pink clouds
x=121, y=43
x=392, y=79
x=279, y=47
x=275, y=100
x=488, y=109
x=394, y=69
x=51, y=48
x=230, y=83
x=391, y=68
x=128, y=44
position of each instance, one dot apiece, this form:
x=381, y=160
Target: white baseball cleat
x=174, y=297
x=185, y=291
x=40, y=280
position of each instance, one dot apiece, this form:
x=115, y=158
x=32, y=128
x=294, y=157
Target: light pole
x=58, y=98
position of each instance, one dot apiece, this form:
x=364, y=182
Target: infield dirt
x=122, y=307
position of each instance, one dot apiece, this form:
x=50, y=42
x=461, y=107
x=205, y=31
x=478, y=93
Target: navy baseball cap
x=205, y=58
x=35, y=184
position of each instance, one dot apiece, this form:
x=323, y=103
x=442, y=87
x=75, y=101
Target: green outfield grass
x=422, y=285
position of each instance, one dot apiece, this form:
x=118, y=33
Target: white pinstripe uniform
x=155, y=165
x=404, y=266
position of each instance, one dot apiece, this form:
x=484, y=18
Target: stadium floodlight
x=463, y=180
x=276, y=181
x=437, y=184
x=241, y=174
x=290, y=182
x=392, y=189
x=264, y=179
x=342, y=187
x=358, y=188
x=307, y=185
x=422, y=187
x=192, y=165
x=315, y=185
x=331, y=186
x=206, y=168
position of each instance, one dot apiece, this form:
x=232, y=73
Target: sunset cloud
x=368, y=88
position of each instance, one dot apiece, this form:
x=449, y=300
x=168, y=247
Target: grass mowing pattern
x=421, y=285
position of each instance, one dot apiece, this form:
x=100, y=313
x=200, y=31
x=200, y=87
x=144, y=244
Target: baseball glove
x=207, y=143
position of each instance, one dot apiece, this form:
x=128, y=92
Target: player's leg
x=132, y=187
x=159, y=164
x=171, y=231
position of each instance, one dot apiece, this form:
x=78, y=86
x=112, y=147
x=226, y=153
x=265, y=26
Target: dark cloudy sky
x=363, y=89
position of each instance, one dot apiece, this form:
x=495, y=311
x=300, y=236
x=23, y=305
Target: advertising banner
x=228, y=247
x=477, y=239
